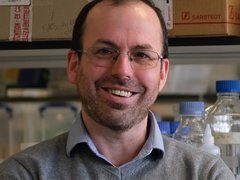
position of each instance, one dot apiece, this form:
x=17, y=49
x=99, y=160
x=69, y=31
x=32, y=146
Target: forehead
x=107, y=7
x=132, y=20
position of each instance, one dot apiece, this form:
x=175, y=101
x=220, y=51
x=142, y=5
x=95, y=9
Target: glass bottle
x=191, y=127
x=224, y=119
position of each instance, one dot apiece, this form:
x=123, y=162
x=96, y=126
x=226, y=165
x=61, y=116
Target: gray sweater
x=48, y=161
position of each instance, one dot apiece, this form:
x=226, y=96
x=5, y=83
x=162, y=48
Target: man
x=119, y=64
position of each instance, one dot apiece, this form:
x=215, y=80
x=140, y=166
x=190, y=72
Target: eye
x=141, y=55
x=103, y=51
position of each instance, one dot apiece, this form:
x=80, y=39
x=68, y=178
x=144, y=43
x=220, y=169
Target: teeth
x=120, y=93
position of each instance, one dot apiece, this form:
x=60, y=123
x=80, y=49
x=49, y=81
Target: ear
x=163, y=73
x=72, y=65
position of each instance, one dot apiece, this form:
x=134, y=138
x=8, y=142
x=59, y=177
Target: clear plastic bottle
x=224, y=119
x=208, y=142
x=191, y=127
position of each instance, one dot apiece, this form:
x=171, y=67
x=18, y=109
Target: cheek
x=150, y=79
x=88, y=74
x=85, y=82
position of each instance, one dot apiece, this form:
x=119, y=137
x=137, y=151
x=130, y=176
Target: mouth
x=121, y=93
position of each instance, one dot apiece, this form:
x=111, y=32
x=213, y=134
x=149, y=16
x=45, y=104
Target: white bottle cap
x=208, y=137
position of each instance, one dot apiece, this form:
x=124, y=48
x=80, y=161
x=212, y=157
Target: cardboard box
x=41, y=20
x=206, y=17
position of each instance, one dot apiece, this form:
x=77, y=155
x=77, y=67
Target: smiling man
x=119, y=64
x=119, y=71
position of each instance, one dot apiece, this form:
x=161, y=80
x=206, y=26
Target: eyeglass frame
x=118, y=52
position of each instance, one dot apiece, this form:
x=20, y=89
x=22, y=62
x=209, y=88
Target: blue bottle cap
x=164, y=127
x=228, y=86
x=191, y=108
x=173, y=126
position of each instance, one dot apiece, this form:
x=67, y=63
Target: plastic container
x=56, y=118
x=208, y=142
x=191, y=127
x=26, y=126
x=224, y=119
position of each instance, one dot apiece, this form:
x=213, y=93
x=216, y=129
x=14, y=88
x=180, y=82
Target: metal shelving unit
x=33, y=58
x=49, y=58
x=198, y=50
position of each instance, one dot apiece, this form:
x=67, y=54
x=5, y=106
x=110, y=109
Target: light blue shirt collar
x=78, y=134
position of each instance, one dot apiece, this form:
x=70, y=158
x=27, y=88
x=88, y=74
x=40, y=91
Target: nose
x=122, y=66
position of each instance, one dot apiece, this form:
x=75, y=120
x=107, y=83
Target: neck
x=118, y=147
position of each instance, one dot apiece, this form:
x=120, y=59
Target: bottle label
x=227, y=138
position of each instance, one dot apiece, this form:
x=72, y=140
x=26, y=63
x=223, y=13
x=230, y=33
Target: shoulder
x=39, y=156
x=46, y=148
x=193, y=161
x=186, y=151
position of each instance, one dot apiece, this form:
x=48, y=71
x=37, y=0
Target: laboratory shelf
x=184, y=50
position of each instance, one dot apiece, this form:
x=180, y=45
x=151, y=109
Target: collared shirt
x=79, y=135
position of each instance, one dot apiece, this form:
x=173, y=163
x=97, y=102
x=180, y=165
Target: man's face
x=119, y=96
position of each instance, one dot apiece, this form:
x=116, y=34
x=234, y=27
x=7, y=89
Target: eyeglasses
x=106, y=57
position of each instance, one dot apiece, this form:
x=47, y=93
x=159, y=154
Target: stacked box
x=206, y=18
x=40, y=20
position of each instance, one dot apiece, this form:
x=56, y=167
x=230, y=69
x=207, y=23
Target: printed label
x=167, y=11
x=227, y=138
x=234, y=14
x=21, y=23
x=14, y=2
x=187, y=16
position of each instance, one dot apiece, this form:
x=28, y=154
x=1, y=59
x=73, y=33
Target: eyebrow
x=106, y=42
x=112, y=44
x=143, y=46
